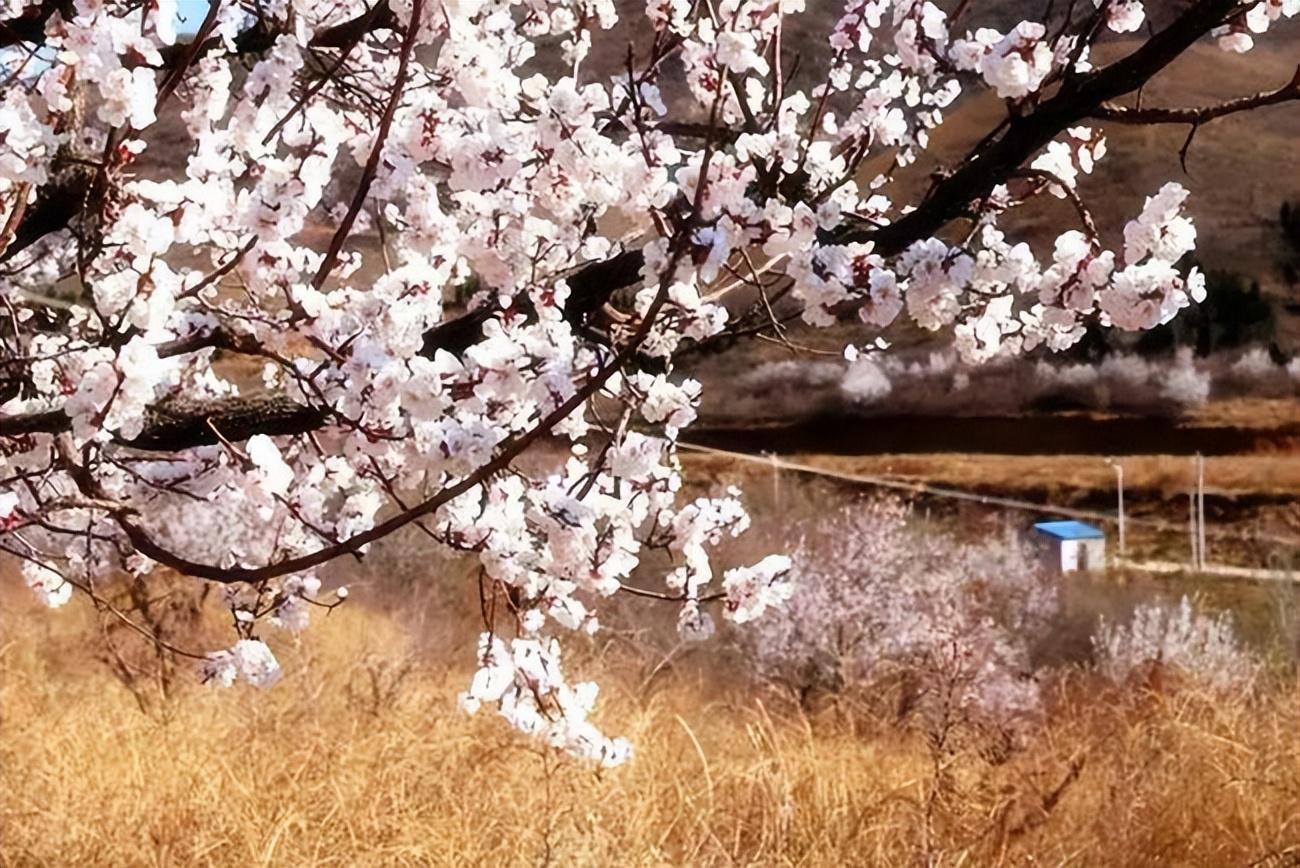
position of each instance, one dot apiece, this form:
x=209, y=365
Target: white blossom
x=412, y=361
x=1185, y=642
x=248, y=660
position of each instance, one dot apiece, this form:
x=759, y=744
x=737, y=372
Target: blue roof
x=1069, y=530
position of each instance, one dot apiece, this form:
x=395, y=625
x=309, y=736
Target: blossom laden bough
x=548, y=237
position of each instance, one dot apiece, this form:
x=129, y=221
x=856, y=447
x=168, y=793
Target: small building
x=1067, y=546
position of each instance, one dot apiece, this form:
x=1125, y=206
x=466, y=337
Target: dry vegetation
x=1064, y=479
x=1253, y=517
x=361, y=756
x=323, y=769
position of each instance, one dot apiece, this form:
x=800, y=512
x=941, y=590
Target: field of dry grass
x=1064, y=479
x=318, y=771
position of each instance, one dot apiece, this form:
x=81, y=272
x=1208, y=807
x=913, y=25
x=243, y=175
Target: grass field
x=323, y=770
x=361, y=756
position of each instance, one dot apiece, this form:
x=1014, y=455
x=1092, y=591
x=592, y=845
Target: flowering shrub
x=131, y=439
x=938, y=383
x=1179, y=641
x=1183, y=383
x=876, y=599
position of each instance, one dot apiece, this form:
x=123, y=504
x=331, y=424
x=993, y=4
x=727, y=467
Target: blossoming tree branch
x=598, y=221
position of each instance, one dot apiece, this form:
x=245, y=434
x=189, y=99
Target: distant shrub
x=936, y=383
x=1126, y=370
x=1162, y=641
x=879, y=602
x=866, y=381
x=1183, y=383
x=1254, y=364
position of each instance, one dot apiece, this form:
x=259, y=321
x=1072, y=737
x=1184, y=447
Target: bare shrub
x=375, y=684
x=1163, y=645
x=169, y=611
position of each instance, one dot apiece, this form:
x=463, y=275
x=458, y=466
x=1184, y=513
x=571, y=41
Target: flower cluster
x=482, y=203
x=247, y=660
x=1177, y=640
x=876, y=599
x=525, y=681
x=1239, y=34
x=1015, y=65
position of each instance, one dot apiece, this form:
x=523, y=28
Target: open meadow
x=1174, y=745
x=361, y=757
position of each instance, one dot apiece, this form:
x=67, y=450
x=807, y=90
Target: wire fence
x=776, y=462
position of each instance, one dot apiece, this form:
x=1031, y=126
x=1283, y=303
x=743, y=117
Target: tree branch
x=1202, y=114
x=508, y=452
x=376, y=150
x=381, y=17
x=594, y=284
x=177, y=72
x=1026, y=135
x=169, y=428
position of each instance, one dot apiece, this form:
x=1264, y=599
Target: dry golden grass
x=312, y=773
x=1065, y=476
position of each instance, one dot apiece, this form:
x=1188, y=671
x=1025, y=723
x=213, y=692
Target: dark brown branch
x=1051, y=178
x=171, y=426
x=1199, y=115
x=58, y=203
x=183, y=424
x=376, y=150
x=353, y=30
x=670, y=598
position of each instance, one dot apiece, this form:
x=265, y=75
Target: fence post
x=1200, y=506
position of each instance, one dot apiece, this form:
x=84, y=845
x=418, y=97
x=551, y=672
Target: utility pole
x=1119, y=491
x=1200, y=506
x=1191, y=528
x=776, y=479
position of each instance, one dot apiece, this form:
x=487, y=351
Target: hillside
x=1240, y=169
